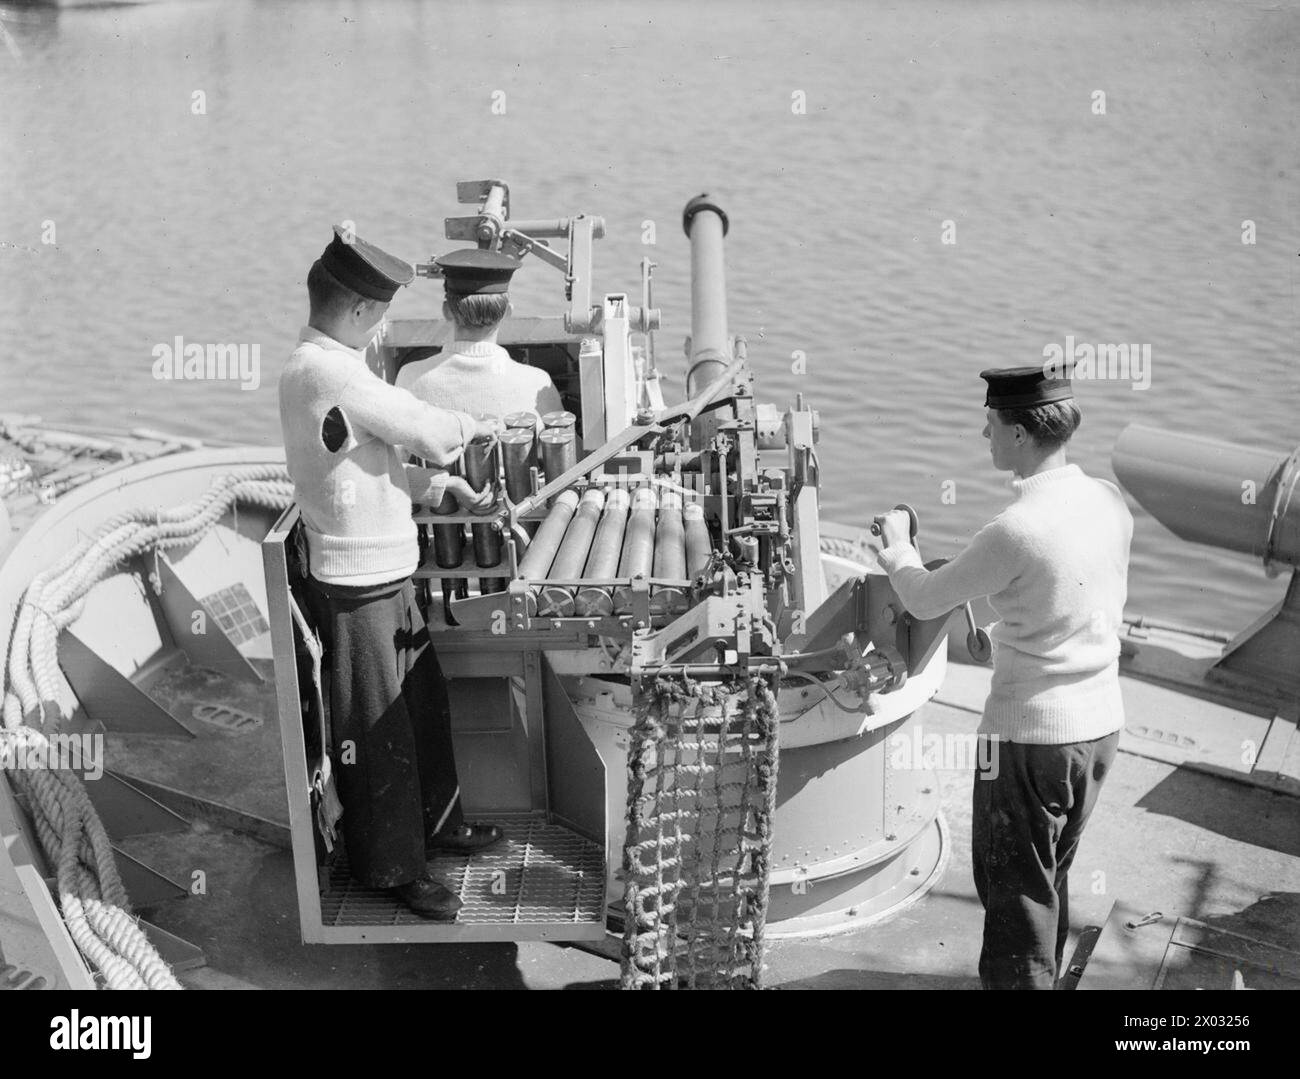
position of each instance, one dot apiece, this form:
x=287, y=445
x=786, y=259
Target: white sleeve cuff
x=468, y=425
x=899, y=555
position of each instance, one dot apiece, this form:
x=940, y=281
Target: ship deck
x=1183, y=827
x=1199, y=819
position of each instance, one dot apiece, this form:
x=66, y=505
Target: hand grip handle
x=913, y=523
x=977, y=641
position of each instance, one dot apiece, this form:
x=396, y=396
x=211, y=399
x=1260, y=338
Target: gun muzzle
x=706, y=225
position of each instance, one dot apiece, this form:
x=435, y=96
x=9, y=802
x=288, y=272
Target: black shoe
x=467, y=839
x=429, y=899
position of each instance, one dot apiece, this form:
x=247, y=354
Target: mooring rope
x=702, y=770
x=92, y=898
x=840, y=547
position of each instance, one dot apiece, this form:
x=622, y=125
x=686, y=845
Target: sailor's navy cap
x=366, y=269
x=1026, y=387
x=472, y=270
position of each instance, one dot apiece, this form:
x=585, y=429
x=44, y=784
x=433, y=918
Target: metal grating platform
x=237, y=613
x=541, y=875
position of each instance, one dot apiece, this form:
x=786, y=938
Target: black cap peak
x=1026, y=387
x=472, y=270
x=367, y=270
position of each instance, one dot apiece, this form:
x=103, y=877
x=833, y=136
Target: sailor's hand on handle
x=488, y=429
x=977, y=640
x=897, y=526
x=466, y=497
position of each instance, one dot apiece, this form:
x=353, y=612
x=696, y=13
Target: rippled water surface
x=1122, y=227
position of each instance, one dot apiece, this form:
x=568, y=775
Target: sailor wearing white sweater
x=389, y=715
x=475, y=374
x=1054, y=565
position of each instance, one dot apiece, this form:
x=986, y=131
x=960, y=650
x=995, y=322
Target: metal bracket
x=493, y=197
x=580, y=317
x=525, y=245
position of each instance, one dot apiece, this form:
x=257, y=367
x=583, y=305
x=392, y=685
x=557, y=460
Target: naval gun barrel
x=710, y=353
x=1236, y=497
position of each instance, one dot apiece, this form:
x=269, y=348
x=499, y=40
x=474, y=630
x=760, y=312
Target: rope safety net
x=702, y=770
x=92, y=898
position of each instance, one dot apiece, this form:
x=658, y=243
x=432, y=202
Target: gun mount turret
x=632, y=539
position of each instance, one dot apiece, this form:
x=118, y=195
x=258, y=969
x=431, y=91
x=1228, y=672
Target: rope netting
x=92, y=898
x=702, y=771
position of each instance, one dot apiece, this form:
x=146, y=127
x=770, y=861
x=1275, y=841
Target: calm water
x=1117, y=228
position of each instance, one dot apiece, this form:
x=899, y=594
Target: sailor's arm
x=400, y=418
x=984, y=568
x=429, y=485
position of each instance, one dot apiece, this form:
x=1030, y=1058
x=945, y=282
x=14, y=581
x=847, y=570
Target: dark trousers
x=1031, y=803
x=390, y=724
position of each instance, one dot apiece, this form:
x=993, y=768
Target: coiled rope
x=91, y=895
x=852, y=549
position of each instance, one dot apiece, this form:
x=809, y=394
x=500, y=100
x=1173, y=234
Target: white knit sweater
x=480, y=376
x=356, y=501
x=1054, y=565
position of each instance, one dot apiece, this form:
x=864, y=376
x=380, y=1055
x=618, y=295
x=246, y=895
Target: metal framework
x=627, y=539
